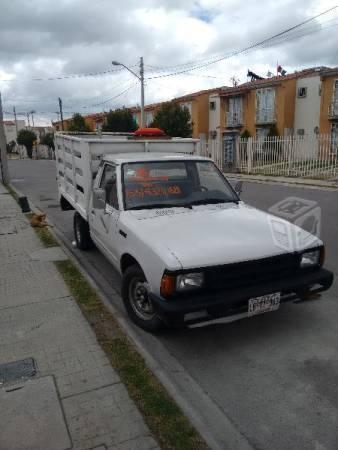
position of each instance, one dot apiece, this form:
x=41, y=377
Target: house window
x=302, y=91
x=335, y=99
x=212, y=106
x=149, y=118
x=265, y=106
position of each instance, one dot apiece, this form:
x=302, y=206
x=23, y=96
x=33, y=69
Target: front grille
x=252, y=273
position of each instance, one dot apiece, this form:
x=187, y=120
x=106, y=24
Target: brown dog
x=38, y=220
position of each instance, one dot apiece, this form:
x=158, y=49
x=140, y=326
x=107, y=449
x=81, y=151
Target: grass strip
x=168, y=424
x=12, y=192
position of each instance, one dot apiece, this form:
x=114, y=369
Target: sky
x=51, y=49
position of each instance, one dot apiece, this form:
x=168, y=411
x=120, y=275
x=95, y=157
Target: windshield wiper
x=211, y=201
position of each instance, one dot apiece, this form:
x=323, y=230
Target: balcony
x=265, y=116
x=333, y=110
x=234, y=119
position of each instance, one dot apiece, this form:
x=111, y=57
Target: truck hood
x=217, y=234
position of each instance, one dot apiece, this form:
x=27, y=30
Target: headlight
x=189, y=281
x=310, y=259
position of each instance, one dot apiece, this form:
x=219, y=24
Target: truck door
x=105, y=213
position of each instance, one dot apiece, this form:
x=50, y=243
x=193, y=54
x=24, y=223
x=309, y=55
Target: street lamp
x=141, y=79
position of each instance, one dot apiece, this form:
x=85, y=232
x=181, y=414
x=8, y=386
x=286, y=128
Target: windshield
x=164, y=184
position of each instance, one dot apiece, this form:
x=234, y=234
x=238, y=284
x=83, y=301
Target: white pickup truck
x=188, y=249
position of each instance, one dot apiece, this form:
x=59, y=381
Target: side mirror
x=108, y=187
x=99, y=198
x=238, y=188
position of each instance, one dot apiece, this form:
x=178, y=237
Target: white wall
x=10, y=130
x=307, y=110
x=215, y=114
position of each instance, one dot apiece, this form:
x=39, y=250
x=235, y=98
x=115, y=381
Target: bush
x=246, y=134
x=27, y=138
x=120, y=120
x=174, y=120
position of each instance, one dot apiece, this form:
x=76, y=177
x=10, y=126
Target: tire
x=81, y=233
x=136, y=301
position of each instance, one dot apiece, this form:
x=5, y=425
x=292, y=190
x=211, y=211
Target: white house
x=307, y=105
x=10, y=129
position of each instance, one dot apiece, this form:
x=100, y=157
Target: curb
x=204, y=414
x=311, y=184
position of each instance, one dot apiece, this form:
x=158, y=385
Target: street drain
x=56, y=205
x=17, y=370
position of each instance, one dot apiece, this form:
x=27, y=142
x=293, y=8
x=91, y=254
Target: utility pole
x=61, y=112
x=32, y=112
x=141, y=79
x=3, y=148
x=29, y=123
x=142, y=90
x=16, y=122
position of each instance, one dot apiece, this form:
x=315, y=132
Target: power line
x=76, y=75
x=246, y=49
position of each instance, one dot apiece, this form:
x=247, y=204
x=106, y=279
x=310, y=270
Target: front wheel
x=136, y=301
x=81, y=233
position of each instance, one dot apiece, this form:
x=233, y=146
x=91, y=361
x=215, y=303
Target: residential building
x=290, y=104
x=197, y=104
x=11, y=129
x=41, y=131
x=329, y=103
x=94, y=121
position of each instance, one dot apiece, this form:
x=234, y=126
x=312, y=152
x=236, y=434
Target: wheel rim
x=139, y=300
x=77, y=231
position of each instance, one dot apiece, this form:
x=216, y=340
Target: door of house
x=334, y=134
x=229, y=151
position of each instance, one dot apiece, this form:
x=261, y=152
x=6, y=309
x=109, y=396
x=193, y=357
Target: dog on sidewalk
x=38, y=220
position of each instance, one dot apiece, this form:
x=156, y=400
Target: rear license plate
x=266, y=303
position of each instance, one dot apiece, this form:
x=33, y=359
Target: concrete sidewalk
x=302, y=182
x=65, y=394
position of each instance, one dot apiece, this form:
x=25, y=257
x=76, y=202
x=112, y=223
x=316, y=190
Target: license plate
x=266, y=303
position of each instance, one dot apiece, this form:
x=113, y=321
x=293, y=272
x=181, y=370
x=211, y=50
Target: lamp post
x=141, y=79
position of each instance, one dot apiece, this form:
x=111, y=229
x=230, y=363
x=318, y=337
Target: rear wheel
x=136, y=300
x=81, y=233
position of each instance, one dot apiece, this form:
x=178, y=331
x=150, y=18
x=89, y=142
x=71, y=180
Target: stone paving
x=39, y=319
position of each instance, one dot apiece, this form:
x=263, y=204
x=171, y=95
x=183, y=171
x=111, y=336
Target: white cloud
x=43, y=38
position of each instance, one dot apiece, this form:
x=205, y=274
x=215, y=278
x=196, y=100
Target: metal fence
x=294, y=156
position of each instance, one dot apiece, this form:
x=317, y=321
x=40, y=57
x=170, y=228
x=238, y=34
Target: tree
x=174, y=120
x=27, y=138
x=48, y=139
x=120, y=120
x=78, y=123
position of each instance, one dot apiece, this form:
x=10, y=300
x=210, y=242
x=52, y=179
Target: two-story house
x=284, y=105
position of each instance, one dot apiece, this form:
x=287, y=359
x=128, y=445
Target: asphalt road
x=272, y=377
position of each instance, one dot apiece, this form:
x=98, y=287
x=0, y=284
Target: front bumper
x=230, y=301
